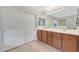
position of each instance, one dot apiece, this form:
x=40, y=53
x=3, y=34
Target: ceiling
x=67, y=10
x=32, y=9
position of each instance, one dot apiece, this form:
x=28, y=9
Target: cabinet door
x=49, y=37
x=44, y=36
x=78, y=43
x=39, y=34
x=56, y=40
x=69, y=43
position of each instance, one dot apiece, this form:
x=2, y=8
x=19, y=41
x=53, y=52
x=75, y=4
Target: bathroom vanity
x=61, y=31
x=64, y=39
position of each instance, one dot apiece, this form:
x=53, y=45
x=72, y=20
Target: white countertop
x=60, y=30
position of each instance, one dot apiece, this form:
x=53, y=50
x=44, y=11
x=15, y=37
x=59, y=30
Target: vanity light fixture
x=54, y=9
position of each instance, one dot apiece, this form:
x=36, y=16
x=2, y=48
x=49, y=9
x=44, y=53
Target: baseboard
x=19, y=45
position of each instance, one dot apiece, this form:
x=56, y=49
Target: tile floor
x=34, y=46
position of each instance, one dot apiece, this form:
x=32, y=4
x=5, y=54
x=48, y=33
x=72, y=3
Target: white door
x=1, y=26
x=18, y=28
x=13, y=27
x=29, y=27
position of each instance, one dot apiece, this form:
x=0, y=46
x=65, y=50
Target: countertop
x=60, y=30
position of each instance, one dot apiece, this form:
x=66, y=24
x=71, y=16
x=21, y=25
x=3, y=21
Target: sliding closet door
x=0, y=26
x=13, y=27
x=29, y=27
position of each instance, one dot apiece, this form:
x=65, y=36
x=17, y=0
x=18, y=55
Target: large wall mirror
x=66, y=17
x=78, y=17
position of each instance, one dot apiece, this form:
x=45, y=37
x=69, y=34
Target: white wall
x=29, y=28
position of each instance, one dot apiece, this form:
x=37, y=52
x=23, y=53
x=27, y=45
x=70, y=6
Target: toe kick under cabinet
x=64, y=42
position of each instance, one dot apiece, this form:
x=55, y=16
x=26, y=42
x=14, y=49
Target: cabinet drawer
x=49, y=37
x=49, y=42
x=49, y=34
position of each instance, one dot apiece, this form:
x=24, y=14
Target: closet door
x=1, y=26
x=13, y=27
x=29, y=27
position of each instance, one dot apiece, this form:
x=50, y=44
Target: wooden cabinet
x=56, y=40
x=44, y=36
x=64, y=42
x=39, y=36
x=69, y=43
x=49, y=38
x=78, y=43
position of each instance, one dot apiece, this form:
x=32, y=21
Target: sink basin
x=71, y=31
